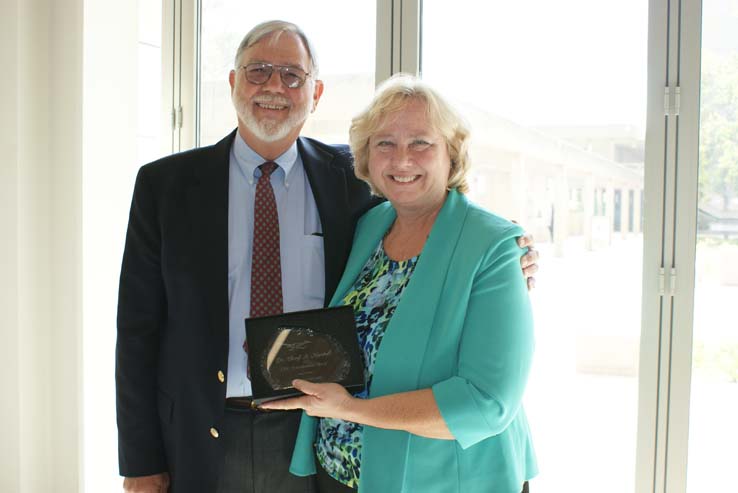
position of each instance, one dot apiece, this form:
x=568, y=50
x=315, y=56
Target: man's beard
x=267, y=129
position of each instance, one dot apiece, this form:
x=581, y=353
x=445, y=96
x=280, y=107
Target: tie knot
x=268, y=168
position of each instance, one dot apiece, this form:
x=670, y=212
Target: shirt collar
x=249, y=160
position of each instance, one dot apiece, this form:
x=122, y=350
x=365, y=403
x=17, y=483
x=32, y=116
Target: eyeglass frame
x=282, y=70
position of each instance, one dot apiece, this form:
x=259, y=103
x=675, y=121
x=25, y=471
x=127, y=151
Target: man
x=200, y=245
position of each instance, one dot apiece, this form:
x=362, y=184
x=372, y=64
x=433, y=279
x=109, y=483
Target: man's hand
x=156, y=483
x=528, y=261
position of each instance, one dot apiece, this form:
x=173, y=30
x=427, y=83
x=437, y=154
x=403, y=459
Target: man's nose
x=274, y=83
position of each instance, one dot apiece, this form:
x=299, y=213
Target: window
x=714, y=395
x=345, y=49
x=549, y=114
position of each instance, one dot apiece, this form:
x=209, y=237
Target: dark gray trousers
x=258, y=449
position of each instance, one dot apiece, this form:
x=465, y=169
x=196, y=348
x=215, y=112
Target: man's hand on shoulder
x=528, y=261
x=156, y=483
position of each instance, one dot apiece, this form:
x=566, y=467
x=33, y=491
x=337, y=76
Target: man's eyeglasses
x=259, y=73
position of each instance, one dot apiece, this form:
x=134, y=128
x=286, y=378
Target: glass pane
x=104, y=219
x=149, y=81
x=713, y=431
x=346, y=68
x=557, y=106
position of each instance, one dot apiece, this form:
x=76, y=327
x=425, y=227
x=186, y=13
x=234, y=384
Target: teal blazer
x=463, y=328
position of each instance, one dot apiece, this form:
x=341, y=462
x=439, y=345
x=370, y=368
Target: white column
x=624, y=206
x=519, y=186
x=610, y=211
x=637, y=211
x=561, y=212
x=588, y=197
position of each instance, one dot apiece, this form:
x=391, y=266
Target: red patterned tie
x=266, y=267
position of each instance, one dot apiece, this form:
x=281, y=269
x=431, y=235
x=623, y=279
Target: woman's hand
x=529, y=261
x=322, y=400
x=414, y=411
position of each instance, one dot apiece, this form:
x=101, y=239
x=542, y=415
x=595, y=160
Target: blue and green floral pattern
x=374, y=297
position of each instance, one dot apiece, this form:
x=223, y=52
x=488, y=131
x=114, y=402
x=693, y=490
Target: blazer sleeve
x=141, y=316
x=495, y=349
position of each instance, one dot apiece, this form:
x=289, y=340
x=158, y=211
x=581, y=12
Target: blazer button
x=214, y=433
x=221, y=376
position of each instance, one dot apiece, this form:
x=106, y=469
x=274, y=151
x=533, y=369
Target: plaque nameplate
x=320, y=346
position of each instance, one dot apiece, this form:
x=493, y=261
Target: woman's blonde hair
x=394, y=95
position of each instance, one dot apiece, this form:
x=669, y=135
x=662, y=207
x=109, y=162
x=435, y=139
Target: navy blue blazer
x=173, y=302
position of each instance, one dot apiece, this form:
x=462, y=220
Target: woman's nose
x=402, y=156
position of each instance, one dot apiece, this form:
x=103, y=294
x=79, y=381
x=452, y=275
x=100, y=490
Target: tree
x=719, y=129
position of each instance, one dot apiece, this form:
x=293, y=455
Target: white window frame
x=672, y=157
x=398, y=37
x=180, y=31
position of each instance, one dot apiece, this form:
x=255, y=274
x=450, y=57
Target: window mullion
x=409, y=48
x=684, y=250
x=187, y=73
x=169, y=86
x=385, y=40
x=653, y=388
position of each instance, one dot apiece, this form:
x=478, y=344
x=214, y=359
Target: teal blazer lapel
x=400, y=356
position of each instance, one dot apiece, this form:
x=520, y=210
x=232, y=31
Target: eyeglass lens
x=259, y=73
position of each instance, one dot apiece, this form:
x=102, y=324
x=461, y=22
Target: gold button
x=214, y=433
x=221, y=376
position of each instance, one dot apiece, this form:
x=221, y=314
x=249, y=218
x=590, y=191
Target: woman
x=443, y=317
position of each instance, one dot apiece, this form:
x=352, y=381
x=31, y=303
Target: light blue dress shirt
x=300, y=244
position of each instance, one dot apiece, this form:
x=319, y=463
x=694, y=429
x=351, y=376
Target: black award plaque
x=320, y=346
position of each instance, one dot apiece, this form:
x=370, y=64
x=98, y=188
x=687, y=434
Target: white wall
x=68, y=134
x=65, y=78
x=34, y=252
x=9, y=369
x=41, y=253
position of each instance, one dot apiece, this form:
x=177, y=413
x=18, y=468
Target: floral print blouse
x=374, y=297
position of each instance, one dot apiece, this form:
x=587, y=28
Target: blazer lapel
x=400, y=356
x=207, y=200
x=329, y=187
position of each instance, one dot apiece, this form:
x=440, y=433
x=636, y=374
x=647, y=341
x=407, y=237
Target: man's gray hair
x=264, y=29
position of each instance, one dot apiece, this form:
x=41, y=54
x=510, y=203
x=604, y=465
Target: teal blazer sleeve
x=463, y=329
x=495, y=349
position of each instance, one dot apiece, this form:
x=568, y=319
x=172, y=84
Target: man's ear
x=232, y=80
x=317, y=93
